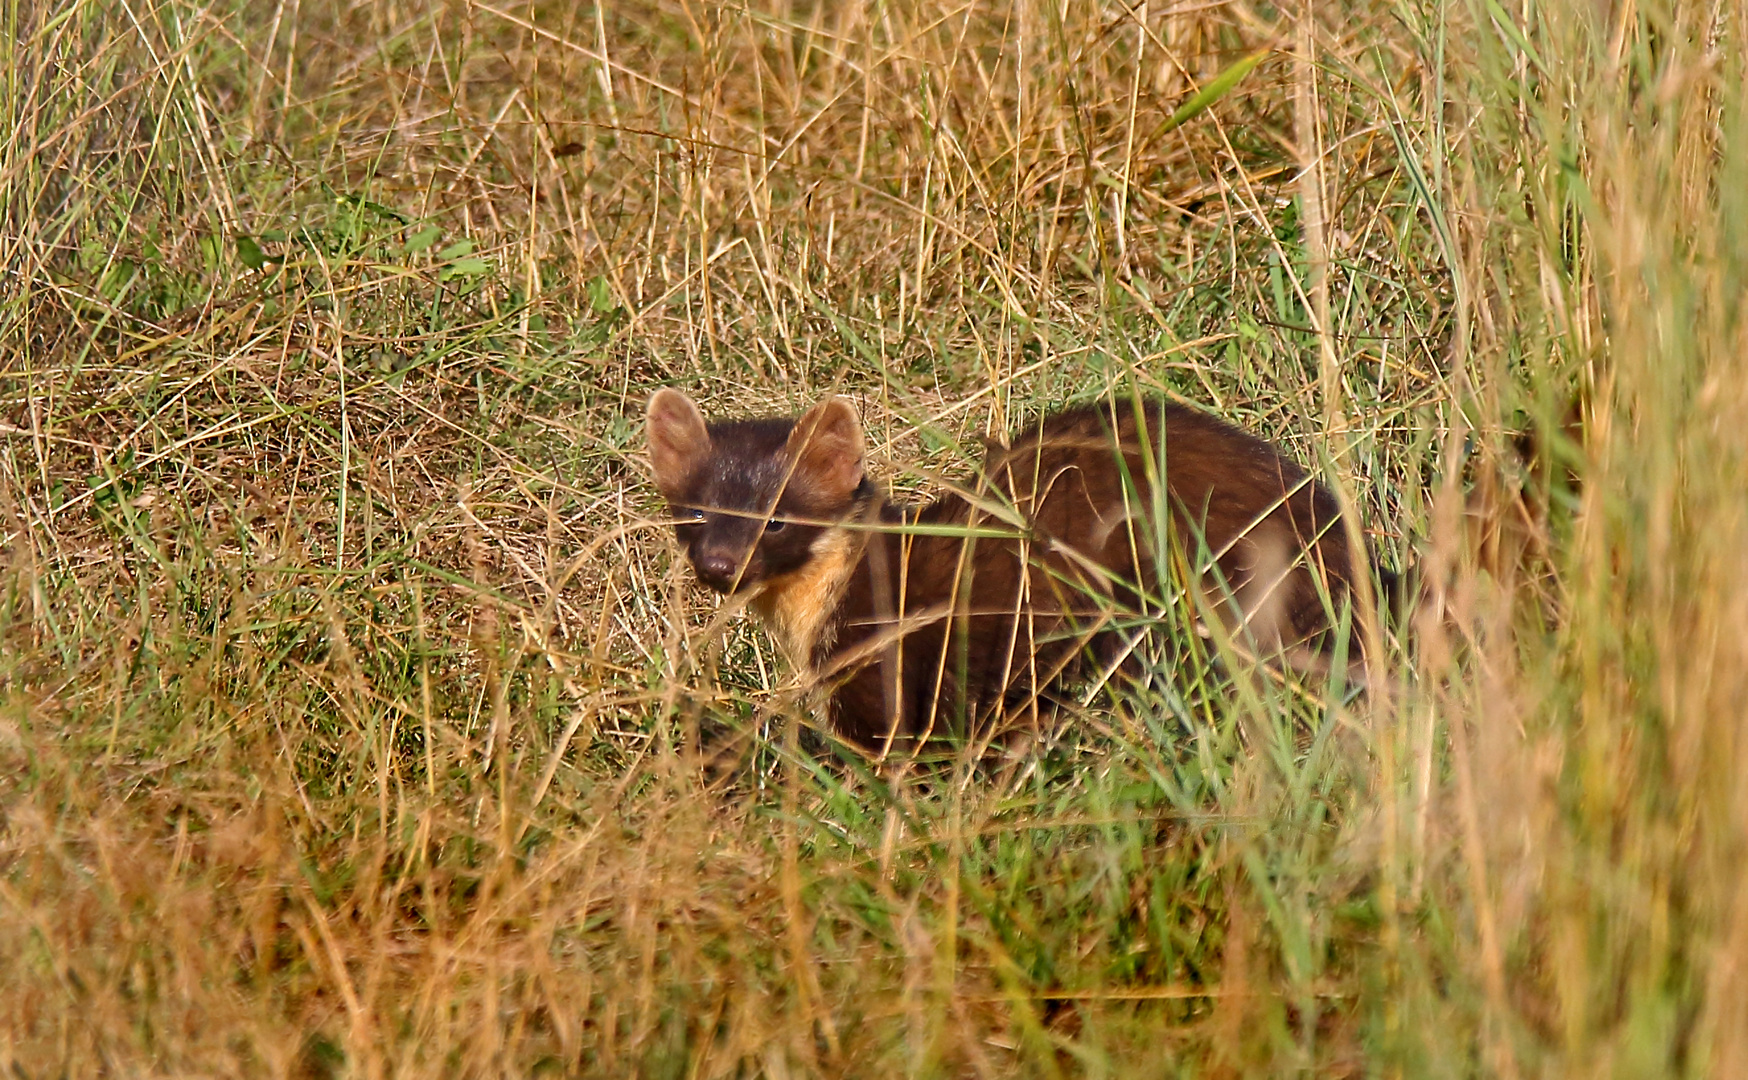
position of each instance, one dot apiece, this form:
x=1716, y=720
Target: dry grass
x=353, y=698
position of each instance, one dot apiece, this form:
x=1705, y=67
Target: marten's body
x=950, y=617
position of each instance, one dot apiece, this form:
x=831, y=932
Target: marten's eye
x=775, y=525
x=689, y=515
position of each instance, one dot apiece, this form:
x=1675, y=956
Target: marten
x=946, y=620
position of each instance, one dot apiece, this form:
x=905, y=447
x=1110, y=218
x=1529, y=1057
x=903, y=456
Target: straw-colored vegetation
x=355, y=710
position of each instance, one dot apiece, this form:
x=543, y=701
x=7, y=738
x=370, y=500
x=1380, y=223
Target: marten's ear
x=678, y=440
x=826, y=447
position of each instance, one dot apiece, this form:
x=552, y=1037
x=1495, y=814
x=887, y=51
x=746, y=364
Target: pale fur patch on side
x=1108, y=526
x=798, y=607
x=1263, y=597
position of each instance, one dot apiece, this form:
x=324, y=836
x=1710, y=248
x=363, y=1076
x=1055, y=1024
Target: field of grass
x=358, y=719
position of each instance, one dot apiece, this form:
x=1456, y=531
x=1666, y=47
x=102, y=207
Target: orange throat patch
x=798, y=606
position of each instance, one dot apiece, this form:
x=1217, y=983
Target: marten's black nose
x=716, y=569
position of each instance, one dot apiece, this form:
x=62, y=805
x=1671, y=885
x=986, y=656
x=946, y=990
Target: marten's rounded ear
x=678, y=440
x=826, y=447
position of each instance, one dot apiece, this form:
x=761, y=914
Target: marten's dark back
x=937, y=633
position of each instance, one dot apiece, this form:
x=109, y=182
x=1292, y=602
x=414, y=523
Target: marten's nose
x=716, y=569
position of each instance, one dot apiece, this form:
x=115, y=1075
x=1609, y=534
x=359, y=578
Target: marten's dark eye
x=775, y=525
x=689, y=515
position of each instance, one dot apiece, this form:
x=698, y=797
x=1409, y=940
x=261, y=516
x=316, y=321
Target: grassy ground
x=352, y=690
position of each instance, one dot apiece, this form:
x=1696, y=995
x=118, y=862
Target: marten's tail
x=1397, y=590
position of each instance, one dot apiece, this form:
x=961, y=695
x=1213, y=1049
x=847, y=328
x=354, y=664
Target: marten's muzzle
x=720, y=568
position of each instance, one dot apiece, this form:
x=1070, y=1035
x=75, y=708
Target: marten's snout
x=716, y=568
x=724, y=552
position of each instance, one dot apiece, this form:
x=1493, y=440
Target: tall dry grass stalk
x=358, y=721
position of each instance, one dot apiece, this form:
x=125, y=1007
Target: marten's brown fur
x=950, y=617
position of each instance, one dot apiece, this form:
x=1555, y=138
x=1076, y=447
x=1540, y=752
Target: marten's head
x=753, y=496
